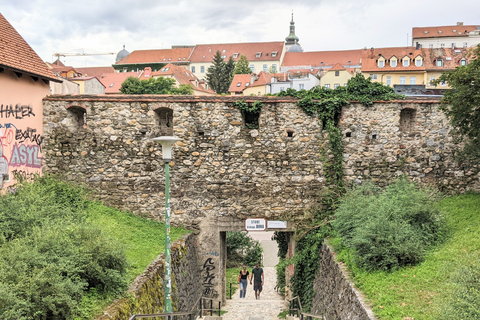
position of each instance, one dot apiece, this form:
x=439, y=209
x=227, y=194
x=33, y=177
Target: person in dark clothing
x=258, y=278
x=243, y=282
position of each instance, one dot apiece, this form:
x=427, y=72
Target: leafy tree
x=160, y=85
x=242, y=66
x=462, y=102
x=242, y=249
x=219, y=75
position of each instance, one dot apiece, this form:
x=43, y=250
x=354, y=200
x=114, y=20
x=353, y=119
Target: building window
x=430, y=45
x=463, y=62
x=265, y=68
x=274, y=53
x=337, y=73
x=442, y=45
x=164, y=117
x=336, y=85
x=403, y=80
x=407, y=120
x=465, y=44
x=76, y=118
x=389, y=81
x=235, y=55
x=431, y=80
x=443, y=84
x=381, y=63
x=439, y=63
x=258, y=55
x=327, y=86
x=239, y=84
x=202, y=69
x=413, y=80
x=406, y=62
x=373, y=76
x=453, y=45
x=252, y=67
x=274, y=68
x=193, y=69
x=418, y=62
x=301, y=86
x=393, y=63
x=282, y=88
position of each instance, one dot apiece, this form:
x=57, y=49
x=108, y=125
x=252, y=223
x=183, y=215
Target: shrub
x=388, y=229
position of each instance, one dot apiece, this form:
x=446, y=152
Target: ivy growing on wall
x=250, y=112
x=326, y=104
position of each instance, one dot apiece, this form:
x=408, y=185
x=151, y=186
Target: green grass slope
x=423, y=291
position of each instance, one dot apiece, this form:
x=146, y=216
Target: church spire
x=292, y=38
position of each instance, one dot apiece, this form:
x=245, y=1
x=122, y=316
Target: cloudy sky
x=103, y=26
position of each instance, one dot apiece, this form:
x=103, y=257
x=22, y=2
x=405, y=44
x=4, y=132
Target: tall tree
x=218, y=76
x=242, y=66
x=462, y=102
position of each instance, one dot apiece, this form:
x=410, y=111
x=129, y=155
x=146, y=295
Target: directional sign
x=255, y=224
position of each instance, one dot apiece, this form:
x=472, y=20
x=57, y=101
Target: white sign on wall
x=276, y=224
x=259, y=224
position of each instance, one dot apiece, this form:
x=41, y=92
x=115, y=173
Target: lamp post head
x=167, y=144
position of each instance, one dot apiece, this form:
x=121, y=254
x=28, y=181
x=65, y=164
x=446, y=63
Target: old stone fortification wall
x=147, y=291
x=335, y=297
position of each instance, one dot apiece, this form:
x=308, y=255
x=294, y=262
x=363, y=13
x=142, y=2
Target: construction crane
x=83, y=53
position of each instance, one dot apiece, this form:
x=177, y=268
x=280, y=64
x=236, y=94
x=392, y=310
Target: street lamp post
x=167, y=144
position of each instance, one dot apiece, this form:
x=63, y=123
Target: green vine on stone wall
x=327, y=105
x=250, y=112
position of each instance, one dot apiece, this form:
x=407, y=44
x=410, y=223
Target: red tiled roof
x=95, y=71
x=443, y=31
x=206, y=52
x=113, y=81
x=157, y=56
x=182, y=75
x=322, y=58
x=337, y=67
x=17, y=55
x=262, y=79
x=450, y=58
x=239, y=82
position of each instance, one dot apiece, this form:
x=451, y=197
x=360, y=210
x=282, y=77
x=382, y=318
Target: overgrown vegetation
x=242, y=250
x=444, y=286
x=327, y=104
x=250, y=112
x=391, y=228
x=462, y=104
x=64, y=256
x=160, y=85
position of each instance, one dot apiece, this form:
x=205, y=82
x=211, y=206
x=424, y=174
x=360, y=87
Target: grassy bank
x=422, y=291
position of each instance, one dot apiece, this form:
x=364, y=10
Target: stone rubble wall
x=335, y=296
x=146, y=293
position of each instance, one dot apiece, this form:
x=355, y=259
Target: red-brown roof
x=337, y=67
x=158, y=56
x=94, y=71
x=443, y=31
x=239, y=82
x=206, y=52
x=450, y=58
x=113, y=81
x=182, y=75
x=322, y=58
x=17, y=55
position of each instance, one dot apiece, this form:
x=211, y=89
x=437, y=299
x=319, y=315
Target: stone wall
x=147, y=291
x=335, y=297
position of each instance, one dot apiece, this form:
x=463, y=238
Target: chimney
x=459, y=23
x=147, y=72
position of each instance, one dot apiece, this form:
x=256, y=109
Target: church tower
x=291, y=42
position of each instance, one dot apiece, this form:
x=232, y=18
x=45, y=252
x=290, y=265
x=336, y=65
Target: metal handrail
x=299, y=310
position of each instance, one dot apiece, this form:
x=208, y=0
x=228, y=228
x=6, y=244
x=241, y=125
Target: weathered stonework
x=335, y=296
x=222, y=172
x=146, y=292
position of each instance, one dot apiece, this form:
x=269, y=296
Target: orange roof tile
x=95, y=71
x=443, y=31
x=182, y=75
x=450, y=58
x=268, y=51
x=17, y=55
x=322, y=58
x=113, y=81
x=262, y=79
x=157, y=56
x=240, y=82
x=337, y=67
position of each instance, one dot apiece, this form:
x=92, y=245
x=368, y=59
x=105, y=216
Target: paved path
x=271, y=303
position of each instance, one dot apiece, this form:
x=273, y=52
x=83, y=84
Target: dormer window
x=406, y=62
x=418, y=62
x=247, y=84
x=239, y=84
x=463, y=62
x=393, y=63
x=258, y=55
x=381, y=63
x=223, y=57
x=169, y=59
x=439, y=63
x=223, y=51
x=235, y=55
x=274, y=53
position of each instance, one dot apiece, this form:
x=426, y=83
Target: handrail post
x=230, y=291
x=219, y=307
x=211, y=307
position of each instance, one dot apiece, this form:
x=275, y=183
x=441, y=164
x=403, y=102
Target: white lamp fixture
x=167, y=144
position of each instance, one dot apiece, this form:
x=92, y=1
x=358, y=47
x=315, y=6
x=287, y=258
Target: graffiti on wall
x=209, y=279
x=20, y=143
